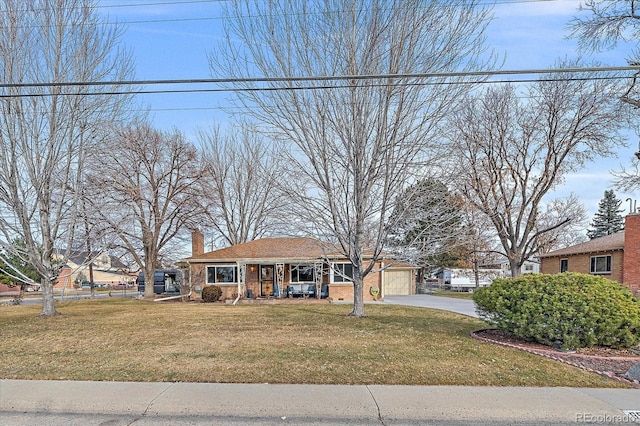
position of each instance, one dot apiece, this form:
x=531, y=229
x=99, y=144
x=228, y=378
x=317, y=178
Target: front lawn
x=130, y=340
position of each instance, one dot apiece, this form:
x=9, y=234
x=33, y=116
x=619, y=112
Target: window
x=222, y=274
x=601, y=264
x=302, y=274
x=564, y=265
x=341, y=272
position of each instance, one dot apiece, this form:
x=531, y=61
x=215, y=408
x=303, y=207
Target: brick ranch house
x=615, y=256
x=287, y=267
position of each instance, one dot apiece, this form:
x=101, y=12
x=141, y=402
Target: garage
x=398, y=282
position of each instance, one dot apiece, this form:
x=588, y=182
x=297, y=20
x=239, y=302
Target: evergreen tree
x=425, y=225
x=25, y=271
x=607, y=219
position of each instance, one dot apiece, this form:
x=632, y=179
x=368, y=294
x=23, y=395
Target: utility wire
x=130, y=5
x=289, y=88
x=214, y=18
x=488, y=73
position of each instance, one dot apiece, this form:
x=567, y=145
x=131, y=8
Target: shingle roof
x=610, y=242
x=269, y=248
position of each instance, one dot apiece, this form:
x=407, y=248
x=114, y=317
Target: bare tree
x=569, y=233
x=607, y=23
x=510, y=153
x=477, y=244
x=244, y=176
x=147, y=192
x=360, y=140
x=46, y=127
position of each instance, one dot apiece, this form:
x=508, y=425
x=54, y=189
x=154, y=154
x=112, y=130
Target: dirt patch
x=604, y=361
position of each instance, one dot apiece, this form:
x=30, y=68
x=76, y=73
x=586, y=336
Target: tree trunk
x=358, y=295
x=476, y=274
x=91, y=284
x=149, y=278
x=48, y=302
x=515, y=268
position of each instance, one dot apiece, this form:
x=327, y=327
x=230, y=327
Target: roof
x=268, y=248
x=612, y=242
x=81, y=257
x=285, y=249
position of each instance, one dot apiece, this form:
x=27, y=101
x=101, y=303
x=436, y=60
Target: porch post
x=280, y=278
x=318, y=275
x=241, y=274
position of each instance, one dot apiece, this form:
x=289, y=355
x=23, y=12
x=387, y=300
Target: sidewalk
x=25, y=401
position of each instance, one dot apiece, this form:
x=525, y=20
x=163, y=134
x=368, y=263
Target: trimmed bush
x=211, y=293
x=570, y=310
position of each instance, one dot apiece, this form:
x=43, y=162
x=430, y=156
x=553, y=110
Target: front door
x=266, y=280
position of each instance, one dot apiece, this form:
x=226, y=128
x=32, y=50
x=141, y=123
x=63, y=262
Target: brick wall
x=339, y=291
x=344, y=291
x=631, y=268
x=625, y=267
x=582, y=263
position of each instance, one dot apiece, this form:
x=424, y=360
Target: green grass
x=133, y=340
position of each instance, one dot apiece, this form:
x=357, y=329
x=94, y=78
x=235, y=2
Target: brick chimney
x=197, y=242
x=631, y=260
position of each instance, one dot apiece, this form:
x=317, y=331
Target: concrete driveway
x=460, y=306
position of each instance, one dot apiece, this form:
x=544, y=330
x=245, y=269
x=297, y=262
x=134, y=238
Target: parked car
x=87, y=284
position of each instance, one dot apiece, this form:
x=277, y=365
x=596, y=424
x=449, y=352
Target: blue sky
x=171, y=41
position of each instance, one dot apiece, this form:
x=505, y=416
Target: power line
x=289, y=88
x=157, y=3
x=293, y=79
x=215, y=18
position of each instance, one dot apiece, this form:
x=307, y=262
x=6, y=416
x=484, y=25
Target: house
x=530, y=266
x=287, y=267
x=106, y=270
x=615, y=256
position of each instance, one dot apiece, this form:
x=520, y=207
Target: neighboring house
x=528, y=267
x=615, y=256
x=279, y=267
x=106, y=270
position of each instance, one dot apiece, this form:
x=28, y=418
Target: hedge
x=568, y=310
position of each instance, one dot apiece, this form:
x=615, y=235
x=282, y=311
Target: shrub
x=211, y=293
x=570, y=310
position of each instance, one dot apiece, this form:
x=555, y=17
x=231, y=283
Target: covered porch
x=265, y=279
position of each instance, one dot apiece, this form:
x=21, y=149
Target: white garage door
x=398, y=283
